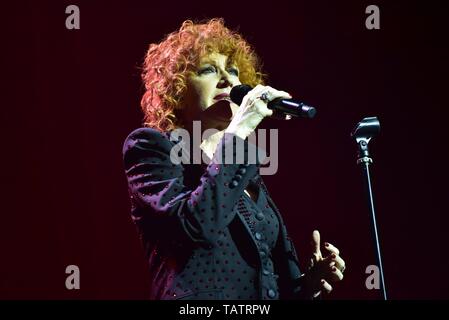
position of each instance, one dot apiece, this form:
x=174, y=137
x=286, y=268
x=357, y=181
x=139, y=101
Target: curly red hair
x=168, y=63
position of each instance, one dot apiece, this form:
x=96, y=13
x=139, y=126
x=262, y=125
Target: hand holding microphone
x=253, y=108
x=280, y=105
x=256, y=104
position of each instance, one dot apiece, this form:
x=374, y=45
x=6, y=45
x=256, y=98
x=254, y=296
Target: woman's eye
x=234, y=71
x=207, y=70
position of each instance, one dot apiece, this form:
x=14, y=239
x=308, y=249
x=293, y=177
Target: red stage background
x=72, y=96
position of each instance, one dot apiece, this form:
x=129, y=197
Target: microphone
x=283, y=106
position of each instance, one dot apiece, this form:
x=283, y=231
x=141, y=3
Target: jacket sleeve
x=158, y=194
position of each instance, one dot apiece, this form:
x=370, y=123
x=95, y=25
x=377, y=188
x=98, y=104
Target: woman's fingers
x=338, y=261
x=317, y=256
x=253, y=109
x=335, y=256
x=260, y=96
x=335, y=274
x=268, y=94
x=253, y=104
x=326, y=286
x=328, y=269
x=331, y=248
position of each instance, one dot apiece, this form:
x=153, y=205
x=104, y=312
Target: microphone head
x=238, y=92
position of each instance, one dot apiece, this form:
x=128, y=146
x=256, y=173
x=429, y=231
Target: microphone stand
x=363, y=132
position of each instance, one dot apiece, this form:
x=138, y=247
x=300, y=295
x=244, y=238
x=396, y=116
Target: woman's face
x=211, y=83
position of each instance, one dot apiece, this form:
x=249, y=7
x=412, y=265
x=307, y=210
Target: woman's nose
x=225, y=80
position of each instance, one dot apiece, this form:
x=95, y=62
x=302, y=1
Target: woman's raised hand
x=253, y=109
x=323, y=270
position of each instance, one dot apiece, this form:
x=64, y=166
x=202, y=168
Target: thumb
x=316, y=245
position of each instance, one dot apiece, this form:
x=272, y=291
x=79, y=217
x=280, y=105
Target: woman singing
x=211, y=230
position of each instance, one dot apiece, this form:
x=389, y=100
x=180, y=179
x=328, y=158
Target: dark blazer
x=195, y=238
